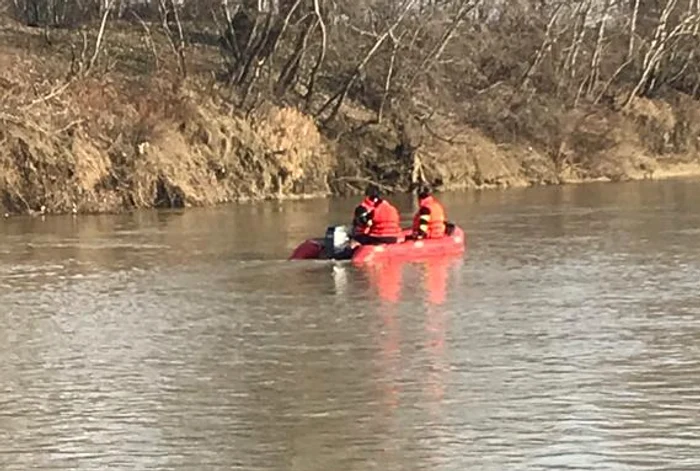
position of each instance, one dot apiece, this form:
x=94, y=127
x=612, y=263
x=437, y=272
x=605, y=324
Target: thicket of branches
x=488, y=63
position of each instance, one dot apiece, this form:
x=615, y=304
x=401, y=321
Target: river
x=567, y=337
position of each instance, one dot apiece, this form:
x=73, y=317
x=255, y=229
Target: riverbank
x=129, y=135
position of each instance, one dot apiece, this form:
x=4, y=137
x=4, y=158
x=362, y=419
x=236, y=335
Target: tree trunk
x=568, y=70
x=633, y=29
x=319, y=59
x=659, y=48
x=546, y=44
x=100, y=34
x=389, y=75
x=598, y=51
x=433, y=56
x=339, y=97
x=290, y=70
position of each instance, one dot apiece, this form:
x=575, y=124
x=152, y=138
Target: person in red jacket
x=429, y=222
x=376, y=220
x=362, y=219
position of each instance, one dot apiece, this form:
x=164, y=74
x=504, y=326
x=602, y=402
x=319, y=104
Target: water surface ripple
x=567, y=338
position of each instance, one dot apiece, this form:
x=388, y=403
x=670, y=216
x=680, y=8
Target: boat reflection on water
x=436, y=277
x=385, y=280
x=397, y=283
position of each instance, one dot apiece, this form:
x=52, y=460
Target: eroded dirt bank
x=118, y=140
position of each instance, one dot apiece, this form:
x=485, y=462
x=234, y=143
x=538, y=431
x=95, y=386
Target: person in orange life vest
x=429, y=221
x=376, y=220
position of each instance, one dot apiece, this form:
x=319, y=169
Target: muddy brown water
x=567, y=337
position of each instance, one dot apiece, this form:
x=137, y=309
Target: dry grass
x=110, y=143
x=120, y=139
x=133, y=135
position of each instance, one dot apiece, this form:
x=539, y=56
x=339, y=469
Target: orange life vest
x=386, y=221
x=436, y=221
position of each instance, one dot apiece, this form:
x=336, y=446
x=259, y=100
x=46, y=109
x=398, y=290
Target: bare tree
x=107, y=9
x=633, y=29
x=543, y=49
x=321, y=54
x=395, y=42
x=598, y=50
x=170, y=17
x=434, y=54
x=337, y=99
x=290, y=71
x=578, y=36
x=661, y=45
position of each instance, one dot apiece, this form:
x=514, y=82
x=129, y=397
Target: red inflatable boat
x=334, y=246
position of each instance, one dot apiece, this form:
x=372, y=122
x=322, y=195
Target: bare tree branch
x=389, y=74
x=465, y=6
x=149, y=38
x=100, y=35
x=339, y=97
x=319, y=59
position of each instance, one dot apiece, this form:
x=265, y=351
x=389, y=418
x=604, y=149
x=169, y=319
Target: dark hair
x=372, y=191
x=424, y=191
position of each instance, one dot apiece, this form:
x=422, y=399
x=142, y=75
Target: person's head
x=372, y=192
x=424, y=191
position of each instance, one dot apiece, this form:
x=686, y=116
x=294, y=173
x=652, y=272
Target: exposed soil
x=119, y=139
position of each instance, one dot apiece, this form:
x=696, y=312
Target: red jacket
x=366, y=208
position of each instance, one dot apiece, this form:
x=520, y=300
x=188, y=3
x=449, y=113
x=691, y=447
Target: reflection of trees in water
x=89, y=244
x=386, y=283
x=164, y=238
x=436, y=273
x=613, y=213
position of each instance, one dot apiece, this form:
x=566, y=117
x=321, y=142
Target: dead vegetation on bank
x=96, y=144
x=116, y=104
